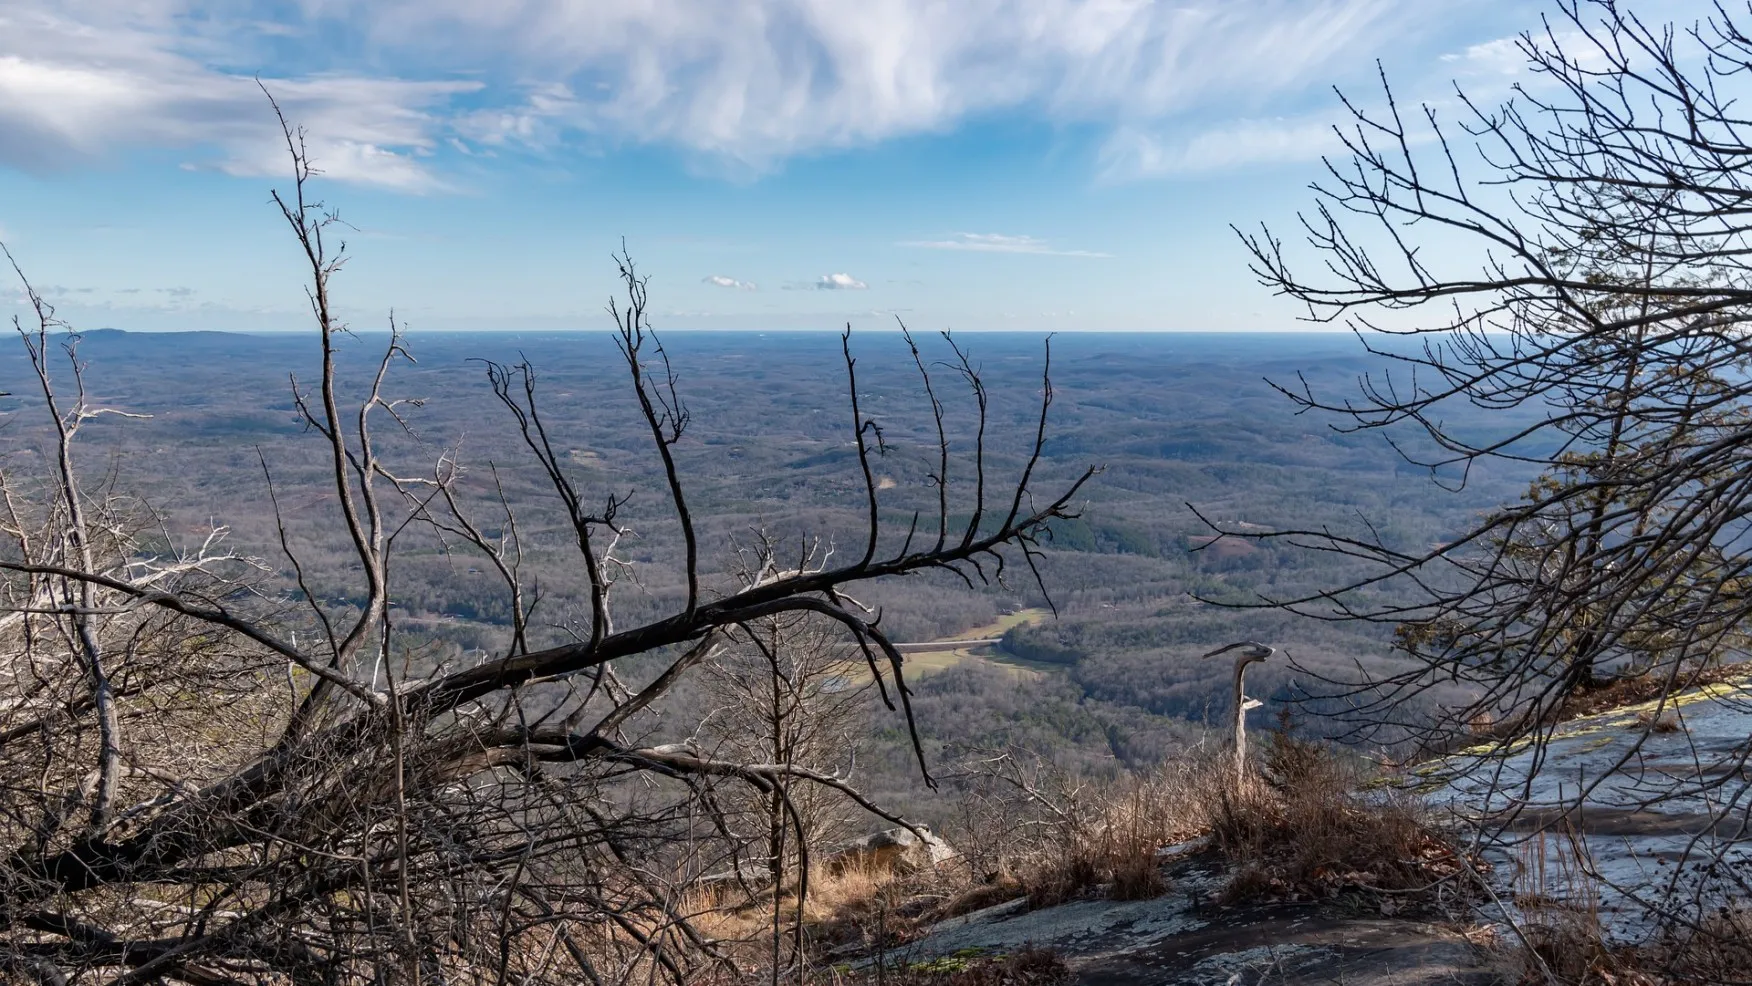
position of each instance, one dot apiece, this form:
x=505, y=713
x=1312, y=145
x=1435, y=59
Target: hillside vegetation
x=544, y=659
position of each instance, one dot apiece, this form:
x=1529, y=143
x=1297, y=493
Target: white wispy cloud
x=1153, y=148
x=1000, y=243
x=750, y=82
x=839, y=282
x=1501, y=55
x=730, y=282
x=1507, y=57
x=1137, y=152
x=75, y=88
x=758, y=81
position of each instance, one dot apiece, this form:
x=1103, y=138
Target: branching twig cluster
x=209, y=778
x=1602, y=310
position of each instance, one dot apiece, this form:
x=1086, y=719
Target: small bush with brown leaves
x=1305, y=831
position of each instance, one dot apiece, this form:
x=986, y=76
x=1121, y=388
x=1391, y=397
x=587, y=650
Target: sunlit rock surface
x=1626, y=813
x=1184, y=938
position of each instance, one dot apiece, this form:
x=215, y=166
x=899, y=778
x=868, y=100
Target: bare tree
x=210, y=777
x=786, y=692
x=1575, y=258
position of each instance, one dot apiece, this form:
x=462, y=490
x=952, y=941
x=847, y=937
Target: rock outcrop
x=1183, y=938
x=895, y=850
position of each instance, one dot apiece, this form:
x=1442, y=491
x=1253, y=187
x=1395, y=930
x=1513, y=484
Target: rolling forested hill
x=1114, y=677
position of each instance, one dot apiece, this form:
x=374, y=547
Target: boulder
x=895, y=850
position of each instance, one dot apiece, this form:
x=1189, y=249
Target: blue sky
x=976, y=164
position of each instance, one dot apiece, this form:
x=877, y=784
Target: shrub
x=1304, y=829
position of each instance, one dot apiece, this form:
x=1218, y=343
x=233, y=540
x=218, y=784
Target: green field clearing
x=923, y=662
x=1002, y=624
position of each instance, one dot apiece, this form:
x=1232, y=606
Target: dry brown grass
x=1297, y=828
x=848, y=886
x=1107, y=843
x=1301, y=829
x=978, y=896
x=862, y=911
x=1116, y=858
x=843, y=903
x=1571, y=952
x=1561, y=937
x=1718, y=950
x=1099, y=841
x=1565, y=940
